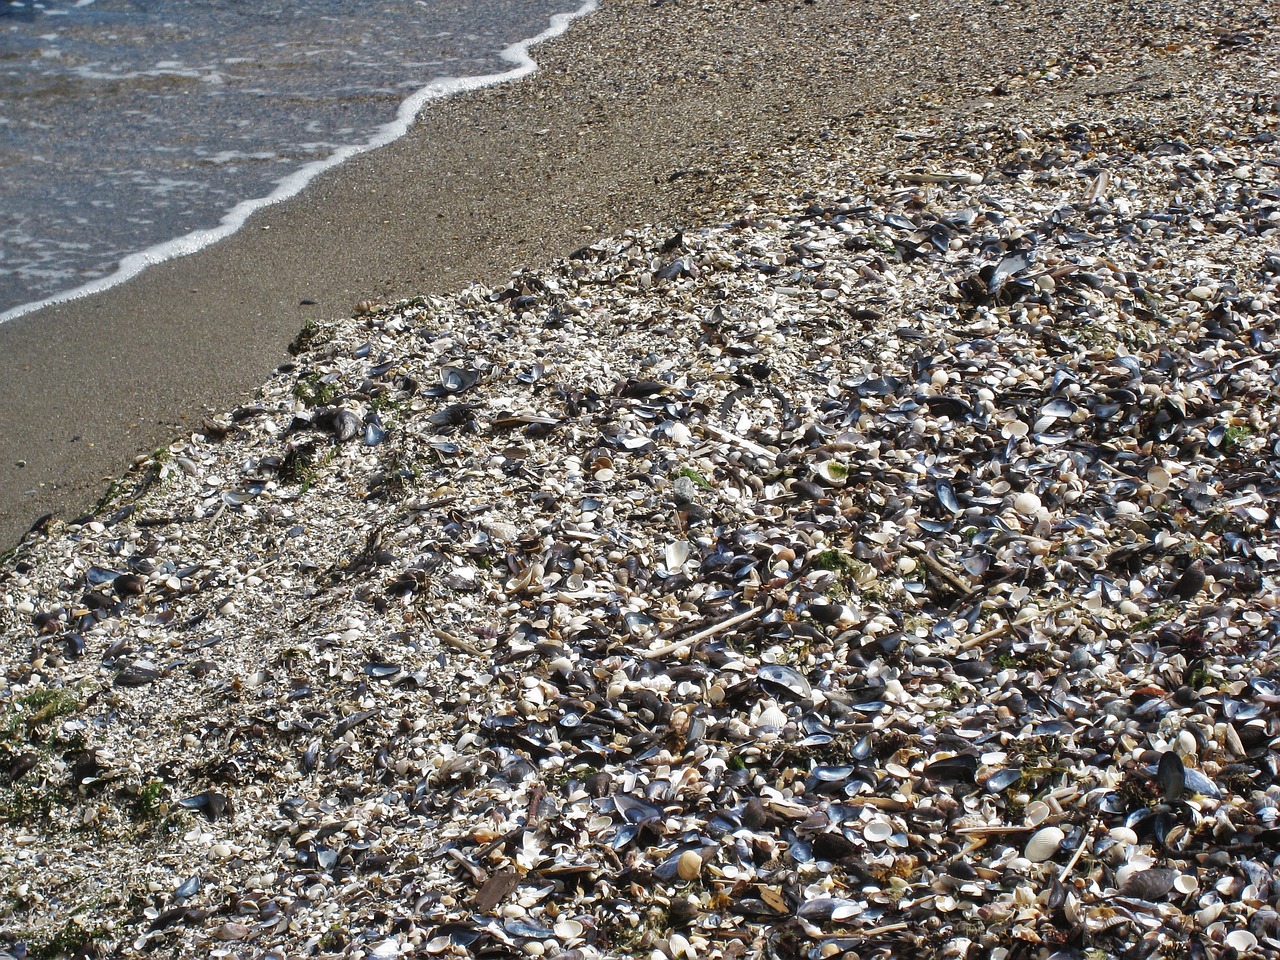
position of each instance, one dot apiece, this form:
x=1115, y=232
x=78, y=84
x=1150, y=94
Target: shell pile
x=889, y=568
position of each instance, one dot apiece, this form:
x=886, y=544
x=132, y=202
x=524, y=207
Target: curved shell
x=877, y=831
x=1044, y=844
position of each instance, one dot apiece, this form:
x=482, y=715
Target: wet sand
x=640, y=113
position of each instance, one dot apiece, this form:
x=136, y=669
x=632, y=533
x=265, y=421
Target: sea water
x=132, y=131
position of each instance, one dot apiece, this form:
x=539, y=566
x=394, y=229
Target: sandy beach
x=642, y=113
x=789, y=480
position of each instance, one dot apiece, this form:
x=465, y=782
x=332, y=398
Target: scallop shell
x=1044, y=843
x=772, y=717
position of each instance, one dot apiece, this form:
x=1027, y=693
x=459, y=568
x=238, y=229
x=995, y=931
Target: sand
x=640, y=113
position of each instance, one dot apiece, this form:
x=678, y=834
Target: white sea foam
x=517, y=54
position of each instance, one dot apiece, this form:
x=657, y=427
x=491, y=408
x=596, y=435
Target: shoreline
x=517, y=55
x=625, y=122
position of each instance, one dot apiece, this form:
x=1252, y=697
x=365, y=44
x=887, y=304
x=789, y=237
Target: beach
x=787, y=480
x=639, y=115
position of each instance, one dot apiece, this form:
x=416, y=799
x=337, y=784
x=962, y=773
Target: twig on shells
x=959, y=176
x=457, y=642
x=886, y=928
x=682, y=645
x=1075, y=857
x=942, y=571
x=1008, y=625
x=749, y=445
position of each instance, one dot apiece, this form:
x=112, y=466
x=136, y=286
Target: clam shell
x=877, y=831
x=1044, y=844
x=689, y=866
x=1240, y=941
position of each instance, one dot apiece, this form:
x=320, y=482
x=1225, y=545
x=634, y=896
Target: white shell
x=689, y=866
x=1186, y=883
x=1044, y=843
x=1035, y=812
x=771, y=717
x=1123, y=835
x=1240, y=940
x=676, y=554
x=1027, y=504
x=877, y=831
x=832, y=471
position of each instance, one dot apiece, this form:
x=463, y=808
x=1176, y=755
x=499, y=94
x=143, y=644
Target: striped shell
x=1044, y=844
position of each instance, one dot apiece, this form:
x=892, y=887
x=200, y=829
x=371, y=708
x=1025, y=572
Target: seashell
x=1172, y=775
x=1059, y=408
x=1186, y=883
x=138, y=674
x=237, y=498
x=568, y=930
x=689, y=866
x=374, y=430
x=1002, y=780
x=676, y=554
x=832, y=472
x=128, y=585
x=345, y=425
x=877, y=831
x=961, y=768
x=782, y=680
x=1241, y=941
x=771, y=718
x=1027, y=504
x=1044, y=844
x=1149, y=885
x=455, y=380
x=210, y=803
x=1195, y=781
x=828, y=909
x=947, y=496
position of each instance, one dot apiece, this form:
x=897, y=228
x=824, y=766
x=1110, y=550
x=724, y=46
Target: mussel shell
x=1151, y=884
x=1002, y=780
x=210, y=803
x=961, y=768
x=780, y=679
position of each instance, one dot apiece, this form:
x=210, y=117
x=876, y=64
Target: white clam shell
x=1044, y=843
x=1186, y=883
x=832, y=471
x=1027, y=504
x=1240, y=940
x=676, y=554
x=877, y=831
x=1035, y=812
x=771, y=717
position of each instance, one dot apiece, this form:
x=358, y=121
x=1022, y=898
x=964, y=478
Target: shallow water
x=139, y=128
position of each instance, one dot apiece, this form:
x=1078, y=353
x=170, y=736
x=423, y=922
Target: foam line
x=129, y=267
